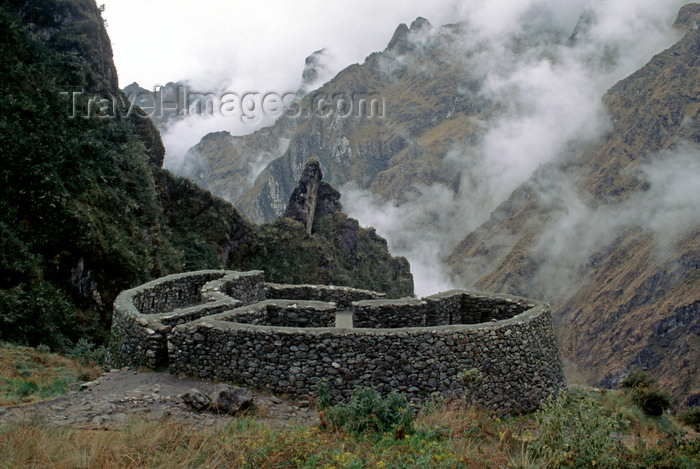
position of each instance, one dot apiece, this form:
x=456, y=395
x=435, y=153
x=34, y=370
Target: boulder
x=197, y=400
x=230, y=400
x=224, y=399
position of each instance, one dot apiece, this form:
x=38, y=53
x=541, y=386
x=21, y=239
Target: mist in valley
x=544, y=65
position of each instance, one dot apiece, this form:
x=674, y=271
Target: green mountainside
x=322, y=245
x=86, y=208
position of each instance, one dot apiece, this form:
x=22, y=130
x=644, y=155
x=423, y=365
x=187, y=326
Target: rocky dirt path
x=109, y=401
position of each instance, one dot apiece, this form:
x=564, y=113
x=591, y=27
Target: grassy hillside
x=339, y=253
x=581, y=429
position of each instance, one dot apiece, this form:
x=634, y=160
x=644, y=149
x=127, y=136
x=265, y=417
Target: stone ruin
x=498, y=350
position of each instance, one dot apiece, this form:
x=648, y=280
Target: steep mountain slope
x=605, y=225
x=386, y=124
x=611, y=236
x=225, y=164
x=86, y=209
x=314, y=242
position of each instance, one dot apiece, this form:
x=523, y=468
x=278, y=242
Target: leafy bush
x=636, y=379
x=651, y=401
x=473, y=380
x=37, y=312
x=87, y=353
x=691, y=417
x=644, y=394
x=367, y=411
x=575, y=433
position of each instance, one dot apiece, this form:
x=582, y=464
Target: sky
x=257, y=45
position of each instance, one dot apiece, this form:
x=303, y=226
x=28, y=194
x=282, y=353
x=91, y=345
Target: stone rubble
x=122, y=394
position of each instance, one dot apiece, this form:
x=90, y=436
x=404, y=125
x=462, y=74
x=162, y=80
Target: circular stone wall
x=281, y=338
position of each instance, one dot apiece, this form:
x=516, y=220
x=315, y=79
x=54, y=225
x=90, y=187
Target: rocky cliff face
x=312, y=197
x=386, y=124
x=632, y=300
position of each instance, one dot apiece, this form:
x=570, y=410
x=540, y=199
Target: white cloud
x=667, y=209
x=414, y=229
x=550, y=94
x=258, y=45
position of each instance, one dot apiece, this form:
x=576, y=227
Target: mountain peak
x=419, y=23
x=312, y=197
x=688, y=17
x=399, y=41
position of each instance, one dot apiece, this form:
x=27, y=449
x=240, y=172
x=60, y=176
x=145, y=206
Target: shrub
x=691, y=417
x=575, y=433
x=324, y=400
x=86, y=352
x=651, y=401
x=473, y=380
x=644, y=395
x=367, y=411
x=636, y=379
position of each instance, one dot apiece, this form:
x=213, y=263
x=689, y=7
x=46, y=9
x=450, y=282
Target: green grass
x=28, y=375
x=580, y=428
x=449, y=436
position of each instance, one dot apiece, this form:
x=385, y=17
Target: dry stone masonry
x=498, y=350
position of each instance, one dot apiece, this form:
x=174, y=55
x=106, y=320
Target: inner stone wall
x=286, y=346
x=447, y=308
x=172, y=292
x=284, y=313
x=342, y=296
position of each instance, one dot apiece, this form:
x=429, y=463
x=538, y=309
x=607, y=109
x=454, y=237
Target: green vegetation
x=691, y=417
x=285, y=252
x=82, y=210
x=576, y=429
x=86, y=210
x=338, y=252
x=369, y=412
x=28, y=375
x=636, y=379
x=576, y=434
x=88, y=353
x=360, y=258
x=644, y=394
